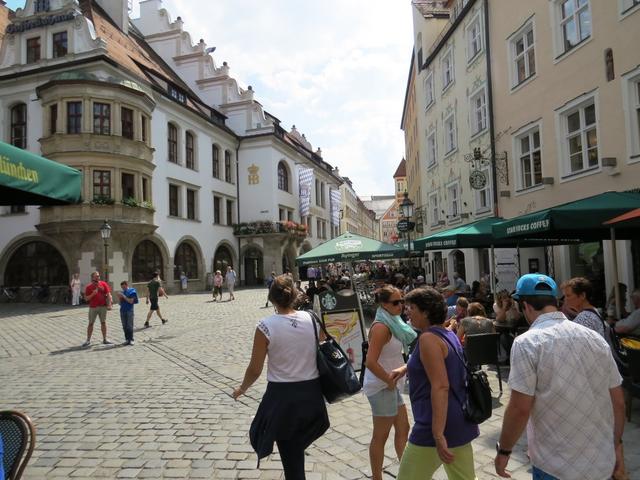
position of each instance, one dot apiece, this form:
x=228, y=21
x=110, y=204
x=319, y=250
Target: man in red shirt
x=98, y=294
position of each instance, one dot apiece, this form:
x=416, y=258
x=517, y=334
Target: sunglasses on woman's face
x=395, y=303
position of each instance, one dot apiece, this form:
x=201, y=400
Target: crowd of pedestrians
x=565, y=384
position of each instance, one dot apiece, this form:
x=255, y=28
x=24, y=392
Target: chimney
x=118, y=10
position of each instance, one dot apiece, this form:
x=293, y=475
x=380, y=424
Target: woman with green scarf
x=389, y=336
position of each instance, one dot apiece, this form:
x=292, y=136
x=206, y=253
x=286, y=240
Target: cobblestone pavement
x=162, y=408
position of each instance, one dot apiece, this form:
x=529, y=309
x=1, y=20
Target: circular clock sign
x=478, y=179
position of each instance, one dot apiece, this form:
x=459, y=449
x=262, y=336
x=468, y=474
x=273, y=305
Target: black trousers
x=292, y=457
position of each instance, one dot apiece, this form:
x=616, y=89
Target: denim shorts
x=541, y=475
x=385, y=403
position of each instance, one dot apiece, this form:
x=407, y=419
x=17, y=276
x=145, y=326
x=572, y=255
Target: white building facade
x=452, y=115
x=174, y=154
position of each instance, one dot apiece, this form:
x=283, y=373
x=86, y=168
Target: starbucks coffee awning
x=29, y=179
x=349, y=247
x=582, y=219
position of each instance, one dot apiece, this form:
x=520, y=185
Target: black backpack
x=477, y=407
x=617, y=350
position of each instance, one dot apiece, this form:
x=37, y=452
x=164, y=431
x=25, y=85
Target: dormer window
x=177, y=94
x=33, y=50
x=41, y=6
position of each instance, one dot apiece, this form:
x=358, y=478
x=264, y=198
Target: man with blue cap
x=566, y=391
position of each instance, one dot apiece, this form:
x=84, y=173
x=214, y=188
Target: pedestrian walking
x=292, y=412
x=154, y=292
x=127, y=297
x=76, y=286
x=565, y=389
x=437, y=378
x=98, y=294
x=269, y=283
x=184, y=281
x=218, y=279
x=230, y=280
x=388, y=337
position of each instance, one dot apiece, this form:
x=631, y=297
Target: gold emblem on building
x=254, y=178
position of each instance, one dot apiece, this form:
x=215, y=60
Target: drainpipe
x=239, y=271
x=492, y=131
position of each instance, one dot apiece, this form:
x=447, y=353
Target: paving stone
x=170, y=406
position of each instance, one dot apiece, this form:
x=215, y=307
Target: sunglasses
x=395, y=303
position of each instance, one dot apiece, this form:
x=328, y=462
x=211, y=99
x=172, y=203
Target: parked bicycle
x=9, y=294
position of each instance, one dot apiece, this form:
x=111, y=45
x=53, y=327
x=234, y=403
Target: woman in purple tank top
x=441, y=433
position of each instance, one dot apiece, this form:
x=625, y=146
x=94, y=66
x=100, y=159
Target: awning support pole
x=361, y=313
x=493, y=271
x=616, y=288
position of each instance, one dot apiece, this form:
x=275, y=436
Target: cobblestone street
x=162, y=408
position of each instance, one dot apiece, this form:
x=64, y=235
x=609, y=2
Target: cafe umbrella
x=29, y=179
x=584, y=218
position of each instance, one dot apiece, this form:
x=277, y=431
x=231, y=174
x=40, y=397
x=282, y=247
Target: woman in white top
x=292, y=412
x=75, y=286
x=388, y=336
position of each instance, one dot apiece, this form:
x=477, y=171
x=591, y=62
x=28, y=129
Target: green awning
x=349, y=247
x=28, y=179
x=479, y=234
x=580, y=219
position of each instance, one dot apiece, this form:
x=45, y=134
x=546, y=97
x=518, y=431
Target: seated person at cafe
x=631, y=324
x=458, y=313
x=476, y=322
x=507, y=312
x=450, y=296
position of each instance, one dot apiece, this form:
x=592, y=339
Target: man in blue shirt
x=128, y=297
x=1, y=459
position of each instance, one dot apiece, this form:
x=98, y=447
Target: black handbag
x=477, y=407
x=337, y=377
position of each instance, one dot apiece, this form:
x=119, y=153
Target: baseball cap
x=535, y=284
x=419, y=278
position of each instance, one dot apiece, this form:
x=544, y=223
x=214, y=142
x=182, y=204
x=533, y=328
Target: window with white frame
x=483, y=196
x=450, y=134
x=636, y=113
x=428, y=89
x=431, y=148
x=529, y=155
x=453, y=197
x=631, y=97
x=523, y=55
x=447, y=69
x=474, y=38
x=574, y=23
x=627, y=5
x=433, y=209
x=580, y=149
x=478, y=111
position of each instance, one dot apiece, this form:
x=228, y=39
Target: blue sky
x=335, y=69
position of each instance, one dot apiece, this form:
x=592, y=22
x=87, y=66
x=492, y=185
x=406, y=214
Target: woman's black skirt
x=289, y=411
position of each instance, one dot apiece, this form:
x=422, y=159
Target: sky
x=336, y=69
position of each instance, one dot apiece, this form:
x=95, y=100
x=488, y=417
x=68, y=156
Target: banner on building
x=336, y=205
x=305, y=181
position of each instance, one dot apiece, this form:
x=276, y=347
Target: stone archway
x=253, y=262
x=36, y=261
x=222, y=259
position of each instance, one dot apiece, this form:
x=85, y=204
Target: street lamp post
x=406, y=208
x=105, y=233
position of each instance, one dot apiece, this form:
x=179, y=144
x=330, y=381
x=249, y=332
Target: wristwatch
x=501, y=451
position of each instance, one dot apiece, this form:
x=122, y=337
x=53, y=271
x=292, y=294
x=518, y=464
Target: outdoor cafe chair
x=19, y=440
x=482, y=349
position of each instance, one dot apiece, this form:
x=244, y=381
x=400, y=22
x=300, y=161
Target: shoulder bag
x=478, y=404
x=337, y=377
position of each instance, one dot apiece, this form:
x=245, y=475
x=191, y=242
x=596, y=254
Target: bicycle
x=10, y=293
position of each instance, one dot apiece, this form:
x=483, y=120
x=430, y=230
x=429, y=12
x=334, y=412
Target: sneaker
x=131, y=343
x=106, y=342
x=146, y=325
x=164, y=320
x=87, y=343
